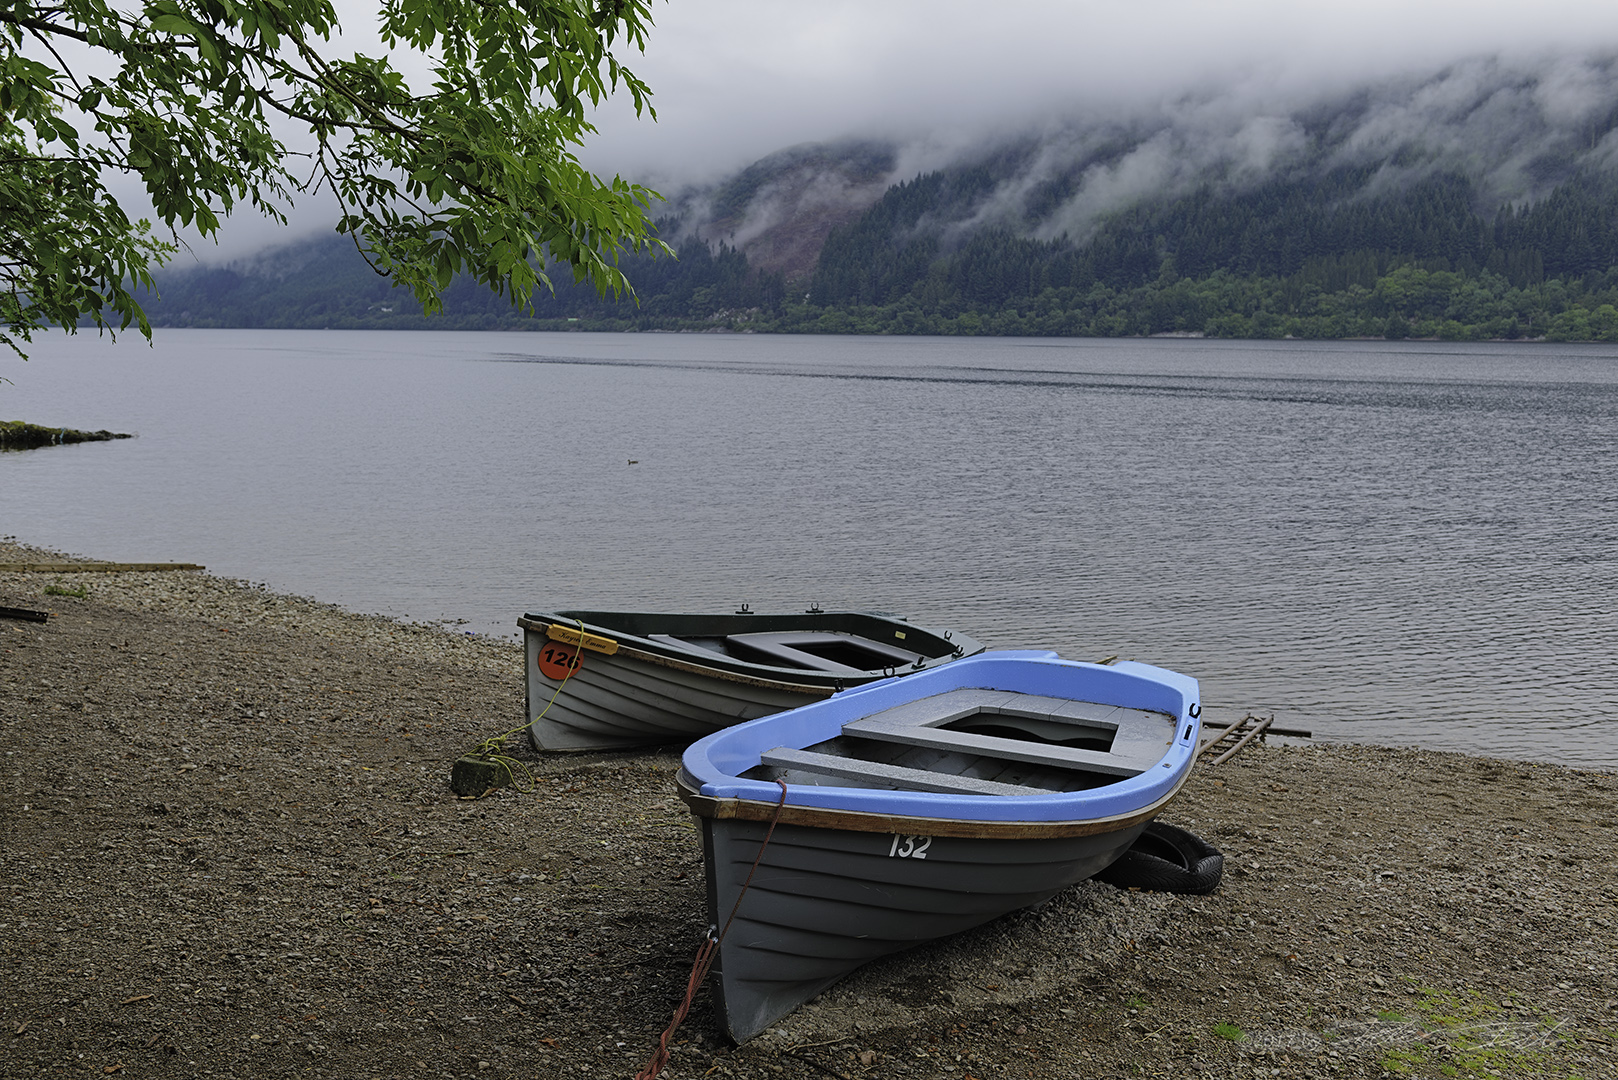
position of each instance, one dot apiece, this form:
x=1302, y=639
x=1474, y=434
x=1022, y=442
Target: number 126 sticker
x=558, y=661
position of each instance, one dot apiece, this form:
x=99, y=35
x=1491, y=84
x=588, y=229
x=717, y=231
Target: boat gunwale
x=731, y=809
x=716, y=762
x=820, y=683
x=633, y=653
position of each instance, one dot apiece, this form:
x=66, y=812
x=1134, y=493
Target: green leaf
x=180, y=95
x=173, y=23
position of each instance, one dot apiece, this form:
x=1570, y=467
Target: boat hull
x=602, y=680
x=912, y=809
x=823, y=901
x=620, y=701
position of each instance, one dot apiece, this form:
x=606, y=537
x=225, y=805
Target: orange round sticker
x=557, y=661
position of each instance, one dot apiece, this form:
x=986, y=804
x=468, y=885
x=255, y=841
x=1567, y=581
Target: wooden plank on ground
x=1252, y=733
x=1224, y=729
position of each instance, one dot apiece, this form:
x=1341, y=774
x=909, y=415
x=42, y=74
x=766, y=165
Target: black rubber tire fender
x=1167, y=859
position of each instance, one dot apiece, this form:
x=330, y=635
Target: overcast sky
x=737, y=79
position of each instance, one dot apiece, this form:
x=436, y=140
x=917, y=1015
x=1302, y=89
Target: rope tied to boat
x=491, y=747
x=707, y=954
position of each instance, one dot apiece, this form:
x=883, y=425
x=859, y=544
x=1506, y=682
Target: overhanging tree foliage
x=473, y=174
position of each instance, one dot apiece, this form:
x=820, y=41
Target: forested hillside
x=1464, y=228
x=326, y=283
x=1317, y=257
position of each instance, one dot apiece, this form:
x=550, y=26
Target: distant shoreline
x=21, y=435
x=451, y=324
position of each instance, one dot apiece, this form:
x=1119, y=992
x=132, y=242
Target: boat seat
x=904, y=779
x=955, y=705
x=717, y=645
x=788, y=648
x=965, y=742
x=1139, y=738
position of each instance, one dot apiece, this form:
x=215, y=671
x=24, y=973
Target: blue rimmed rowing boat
x=601, y=680
x=921, y=807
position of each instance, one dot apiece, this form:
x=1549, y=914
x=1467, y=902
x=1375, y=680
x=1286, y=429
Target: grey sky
x=737, y=79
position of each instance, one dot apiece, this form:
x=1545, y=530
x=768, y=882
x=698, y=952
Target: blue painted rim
x=716, y=762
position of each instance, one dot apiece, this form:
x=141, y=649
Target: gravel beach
x=230, y=850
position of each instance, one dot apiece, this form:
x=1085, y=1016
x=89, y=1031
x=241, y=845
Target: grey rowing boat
x=611, y=679
x=922, y=807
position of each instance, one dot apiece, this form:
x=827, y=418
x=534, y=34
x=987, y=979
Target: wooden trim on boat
x=696, y=669
x=569, y=636
x=859, y=821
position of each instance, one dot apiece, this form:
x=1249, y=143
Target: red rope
x=706, y=956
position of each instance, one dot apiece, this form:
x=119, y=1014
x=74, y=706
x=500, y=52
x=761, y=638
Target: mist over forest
x=1479, y=200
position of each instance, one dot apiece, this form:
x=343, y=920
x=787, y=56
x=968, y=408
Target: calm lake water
x=1401, y=543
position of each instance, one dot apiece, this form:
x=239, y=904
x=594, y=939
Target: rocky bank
x=229, y=849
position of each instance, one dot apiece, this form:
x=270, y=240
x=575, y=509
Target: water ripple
x=1403, y=543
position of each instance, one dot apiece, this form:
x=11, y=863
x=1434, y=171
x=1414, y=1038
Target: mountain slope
x=1308, y=218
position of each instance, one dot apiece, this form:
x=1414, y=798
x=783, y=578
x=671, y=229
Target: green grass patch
x=1453, y=1008
x=1478, y=1038
x=64, y=590
x=1229, y=1031
x=1403, y=1062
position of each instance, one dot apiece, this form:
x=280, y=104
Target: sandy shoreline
x=230, y=849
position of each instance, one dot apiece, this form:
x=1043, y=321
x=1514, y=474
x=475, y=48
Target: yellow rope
x=490, y=748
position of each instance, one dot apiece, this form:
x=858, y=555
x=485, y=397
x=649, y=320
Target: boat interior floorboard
x=897, y=776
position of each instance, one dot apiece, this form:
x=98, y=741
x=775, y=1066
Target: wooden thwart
x=993, y=746
x=906, y=779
